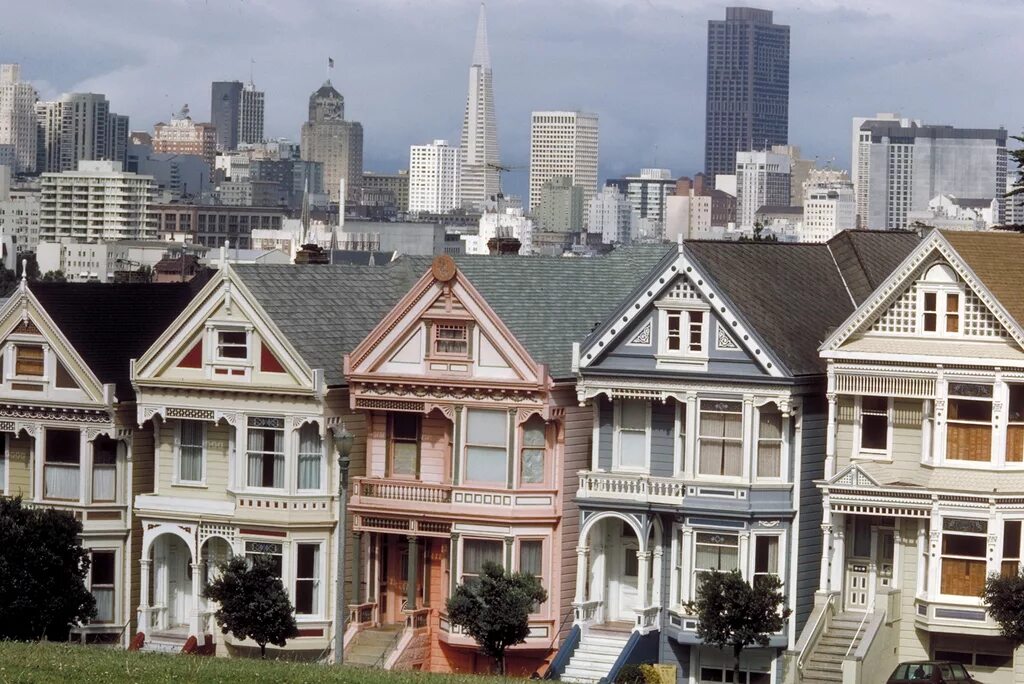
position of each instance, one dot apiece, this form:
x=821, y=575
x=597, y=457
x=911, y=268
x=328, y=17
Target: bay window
x=714, y=551
x=404, y=444
x=531, y=561
x=769, y=442
x=1010, y=566
x=963, y=556
x=101, y=584
x=531, y=455
x=307, y=579
x=486, y=446
x=191, y=443
x=476, y=552
x=721, y=438
x=631, y=434
x=61, y=464
x=311, y=456
x=271, y=550
x=969, y=422
x=265, y=452
x=104, y=469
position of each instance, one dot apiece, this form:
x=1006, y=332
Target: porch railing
x=417, y=619
x=601, y=485
x=401, y=490
x=648, y=619
x=61, y=481
x=585, y=611
x=363, y=613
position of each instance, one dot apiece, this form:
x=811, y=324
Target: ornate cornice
x=56, y=413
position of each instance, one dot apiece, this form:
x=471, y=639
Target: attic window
x=28, y=360
x=451, y=339
x=232, y=344
x=684, y=333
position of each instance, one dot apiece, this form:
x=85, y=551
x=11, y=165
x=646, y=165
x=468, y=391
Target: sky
x=402, y=66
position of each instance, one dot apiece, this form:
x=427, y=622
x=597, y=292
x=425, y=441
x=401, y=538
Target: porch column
x=656, y=589
x=922, y=555
x=194, y=626
x=357, y=566
x=643, y=559
x=38, y=455
x=687, y=551
x=934, y=551
x=453, y=560
x=84, y=468
x=457, y=447
x=410, y=585
x=744, y=552
x=826, y=544
x=143, y=613
x=582, y=560
x=830, y=432
x=838, y=551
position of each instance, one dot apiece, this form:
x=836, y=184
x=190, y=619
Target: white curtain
x=255, y=458
x=266, y=444
x=310, y=456
x=487, y=450
x=769, y=445
x=190, y=451
x=531, y=557
x=721, y=443
x=103, y=480
x=475, y=552
x=104, y=604
x=61, y=481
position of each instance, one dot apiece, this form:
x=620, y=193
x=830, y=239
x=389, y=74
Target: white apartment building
x=563, y=144
x=19, y=225
x=18, y=117
x=688, y=216
x=506, y=222
x=860, y=145
x=646, y=194
x=97, y=202
x=830, y=205
x=434, y=178
x=949, y=212
x=610, y=214
x=762, y=179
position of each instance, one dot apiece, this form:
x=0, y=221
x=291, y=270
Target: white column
x=143, y=618
x=238, y=454
x=830, y=435
x=922, y=550
x=689, y=448
x=643, y=561
x=934, y=551
x=744, y=551
x=748, y=437
x=838, y=551
x=38, y=454
x=658, y=577
x=824, y=580
x=582, y=557
x=84, y=468
x=194, y=623
x=927, y=425
x=686, y=588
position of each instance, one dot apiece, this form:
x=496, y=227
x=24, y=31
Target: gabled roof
x=867, y=257
x=109, y=324
x=997, y=258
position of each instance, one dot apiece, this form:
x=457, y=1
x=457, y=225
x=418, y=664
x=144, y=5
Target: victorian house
x=67, y=421
x=706, y=399
x=242, y=392
x=469, y=399
x=923, y=484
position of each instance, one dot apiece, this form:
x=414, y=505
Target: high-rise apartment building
x=646, y=194
x=434, y=178
x=79, y=127
x=250, y=115
x=747, y=87
x=480, y=179
x=225, y=112
x=336, y=143
x=184, y=136
x=18, y=117
x=563, y=144
x=908, y=165
x=610, y=214
x=98, y=201
x=762, y=180
x=830, y=205
x=860, y=145
x=560, y=209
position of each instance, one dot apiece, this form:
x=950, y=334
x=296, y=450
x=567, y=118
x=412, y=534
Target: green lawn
x=34, y=662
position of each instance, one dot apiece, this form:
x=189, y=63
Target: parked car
x=938, y=672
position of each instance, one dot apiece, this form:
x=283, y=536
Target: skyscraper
x=762, y=180
x=859, y=158
x=225, y=108
x=250, y=115
x=434, y=177
x=77, y=127
x=18, y=117
x=336, y=143
x=747, y=87
x=563, y=144
x=479, y=144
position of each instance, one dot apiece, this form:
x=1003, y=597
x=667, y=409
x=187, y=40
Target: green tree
x=54, y=277
x=733, y=614
x=494, y=609
x=42, y=573
x=253, y=602
x=1004, y=598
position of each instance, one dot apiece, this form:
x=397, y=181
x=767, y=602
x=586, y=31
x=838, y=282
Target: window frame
x=319, y=583
x=176, y=480
x=217, y=345
x=264, y=454
x=694, y=570
x=617, y=431
x=282, y=554
x=392, y=440
x=992, y=460
x=685, y=354
x=782, y=441
x=44, y=354
x=522, y=447
x=941, y=311
x=462, y=554
x=701, y=437
x=859, y=451
x=943, y=555
x=435, y=339
x=112, y=586
x=467, y=445
x=322, y=470
x=537, y=607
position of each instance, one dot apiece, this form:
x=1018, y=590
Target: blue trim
x=565, y=653
x=641, y=648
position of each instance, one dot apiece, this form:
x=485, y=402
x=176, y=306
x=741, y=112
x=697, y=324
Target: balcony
x=637, y=488
x=964, y=616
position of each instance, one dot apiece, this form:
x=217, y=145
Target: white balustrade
x=600, y=485
x=400, y=490
x=585, y=612
x=648, y=619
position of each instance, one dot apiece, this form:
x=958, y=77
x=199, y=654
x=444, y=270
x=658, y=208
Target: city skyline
x=411, y=89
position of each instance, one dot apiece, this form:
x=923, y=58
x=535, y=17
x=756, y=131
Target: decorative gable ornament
x=853, y=476
x=443, y=268
x=643, y=335
x=723, y=340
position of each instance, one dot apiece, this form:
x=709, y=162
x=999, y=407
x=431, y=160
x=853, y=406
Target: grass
x=47, y=662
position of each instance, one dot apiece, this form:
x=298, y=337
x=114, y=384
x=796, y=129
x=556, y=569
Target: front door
x=394, y=577
x=623, y=580
x=179, y=583
x=870, y=561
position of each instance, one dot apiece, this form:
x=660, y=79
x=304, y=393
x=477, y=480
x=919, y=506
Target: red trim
x=268, y=362
x=311, y=632
x=264, y=533
x=194, y=358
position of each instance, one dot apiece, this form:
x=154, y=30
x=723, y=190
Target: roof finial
x=24, y=274
x=679, y=242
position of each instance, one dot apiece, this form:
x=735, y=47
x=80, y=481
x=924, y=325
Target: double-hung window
x=191, y=441
x=62, y=464
x=233, y=345
x=631, y=434
x=1010, y=566
x=101, y=584
x=940, y=312
x=531, y=453
x=307, y=579
x=963, y=556
x=531, y=561
x=265, y=452
x=451, y=339
x=769, y=442
x=721, y=438
x=311, y=456
x=969, y=422
x=476, y=552
x=405, y=444
x=715, y=551
x=874, y=425
x=766, y=556
x=684, y=334
x=1015, y=425
x=273, y=551
x=104, y=469
x=28, y=360
x=486, y=446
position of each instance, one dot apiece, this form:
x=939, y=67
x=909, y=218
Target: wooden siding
x=606, y=432
x=906, y=437
x=808, y=551
x=913, y=643
x=663, y=426
x=577, y=450
x=20, y=467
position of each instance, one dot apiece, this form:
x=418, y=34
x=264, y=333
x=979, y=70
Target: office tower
x=610, y=214
x=909, y=165
x=118, y=131
x=762, y=180
x=395, y=183
x=97, y=201
x=560, y=209
x=747, y=87
x=647, y=193
x=78, y=127
x=225, y=112
x=434, y=178
x=563, y=144
x=830, y=205
x=184, y=136
x=799, y=171
x=18, y=117
x=250, y=115
x=480, y=179
x=861, y=142
x=338, y=144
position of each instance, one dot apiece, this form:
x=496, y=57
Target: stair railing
x=860, y=627
x=816, y=628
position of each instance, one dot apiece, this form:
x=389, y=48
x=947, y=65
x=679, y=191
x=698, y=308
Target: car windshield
x=913, y=672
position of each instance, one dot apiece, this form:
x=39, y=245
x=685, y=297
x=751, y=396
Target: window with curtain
x=769, y=442
x=1015, y=425
x=451, y=339
x=766, y=556
x=721, y=438
x=531, y=560
x=963, y=556
x=476, y=552
x=61, y=463
x=681, y=436
x=104, y=468
x=874, y=424
x=1011, y=548
x=311, y=456
x=404, y=444
x=486, y=446
x=969, y=422
x=101, y=584
x=632, y=434
x=307, y=579
x=265, y=452
x=272, y=550
x=531, y=453
x=28, y=360
x=715, y=551
x=191, y=442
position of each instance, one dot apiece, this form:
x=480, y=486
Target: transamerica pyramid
x=479, y=146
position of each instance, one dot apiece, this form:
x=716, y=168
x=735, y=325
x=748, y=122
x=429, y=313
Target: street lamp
x=343, y=444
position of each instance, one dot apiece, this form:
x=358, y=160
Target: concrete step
x=599, y=649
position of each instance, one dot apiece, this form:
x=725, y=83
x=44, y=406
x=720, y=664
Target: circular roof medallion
x=443, y=268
